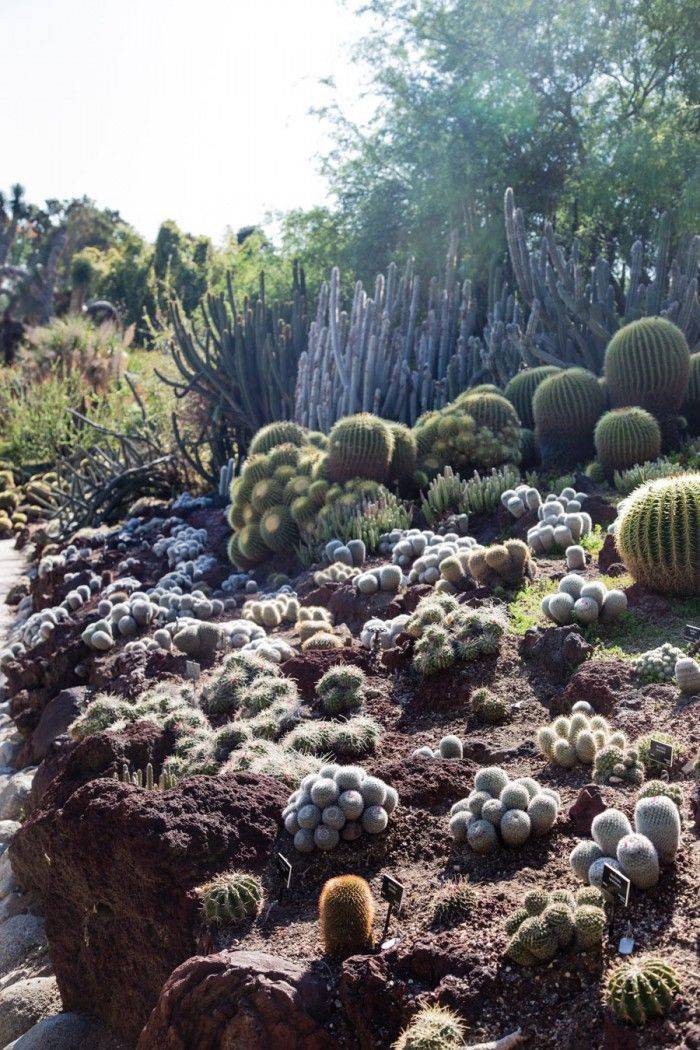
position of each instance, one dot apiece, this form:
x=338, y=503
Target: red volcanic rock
x=42, y=672
x=589, y=804
x=427, y=781
x=603, y=683
x=601, y=511
x=646, y=603
x=114, y=869
x=307, y=668
x=557, y=649
x=608, y=554
x=246, y=1000
x=55, y=719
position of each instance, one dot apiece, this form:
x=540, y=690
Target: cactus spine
x=647, y=363
x=346, y=912
x=360, y=446
x=642, y=989
x=658, y=535
x=625, y=437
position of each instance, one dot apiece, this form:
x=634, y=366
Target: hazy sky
x=193, y=110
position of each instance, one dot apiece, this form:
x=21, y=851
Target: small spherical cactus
x=346, y=913
x=453, y=902
x=542, y=812
x=230, y=897
x=582, y=857
x=641, y=989
x=482, y=836
x=639, y=860
x=491, y=779
x=432, y=1027
x=515, y=827
x=659, y=820
x=451, y=747
x=589, y=922
x=608, y=828
x=515, y=796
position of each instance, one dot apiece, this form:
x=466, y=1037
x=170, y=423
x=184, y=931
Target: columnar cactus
x=641, y=989
x=566, y=408
x=346, y=914
x=625, y=437
x=520, y=390
x=647, y=363
x=230, y=897
x=360, y=446
x=658, y=535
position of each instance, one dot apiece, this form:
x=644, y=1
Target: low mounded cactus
x=640, y=989
x=634, y=852
x=578, y=738
x=506, y=564
x=447, y=632
x=346, y=913
x=432, y=1027
x=341, y=689
x=230, y=897
x=550, y=921
x=617, y=764
x=487, y=707
x=520, y=390
x=657, y=665
x=687, y=673
x=658, y=535
x=626, y=437
x=515, y=809
x=453, y=902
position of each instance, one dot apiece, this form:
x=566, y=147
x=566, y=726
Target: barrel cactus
x=230, y=897
x=521, y=390
x=346, y=913
x=658, y=535
x=432, y=1027
x=624, y=437
x=647, y=363
x=641, y=989
x=360, y=446
x=566, y=408
x=402, y=465
x=691, y=408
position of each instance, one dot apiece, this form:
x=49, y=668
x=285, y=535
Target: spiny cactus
x=615, y=763
x=230, y=897
x=520, y=390
x=626, y=437
x=145, y=779
x=644, y=751
x=691, y=408
x=506, y=564
x=647, y=363
x=487, y=707
x=404, y=456
x=658, y=818
x=281, y=433
x=200, y=641
x=360, y=446
x=278, y=530
x=577, y=739
x=432, y=1028
x=341, y=688
x=662, y=787
x=490, y=410
x=641, y=989
x=566, y=408
x=453, y=902
x=346, y=914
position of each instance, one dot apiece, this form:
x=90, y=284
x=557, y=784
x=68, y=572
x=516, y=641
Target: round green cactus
x=658, y=535
x=251, y=544
x=282, y=433
x=360, y=446
x=625, y=437
x=432, y=1028
x=641, y=989
x=691, y=408
x=402, y=466
x=566, y=408
x=453, y=902
x=346, y=913
x=647, y=363
x=521, y=390
x=278, y=530
x=493, y=411
x=230, y=897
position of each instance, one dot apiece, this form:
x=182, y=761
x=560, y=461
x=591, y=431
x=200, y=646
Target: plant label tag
x=285, y=869
x=626, y=945
x=192, y=670
x=392, y=891
x=661, y=753
x=691, y=633
x=615, y=885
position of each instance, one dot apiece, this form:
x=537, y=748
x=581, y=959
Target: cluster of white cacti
x=195, y=605
x=561, y=522
x=337, y=572
x=514, y=808
x=352, y=553
x=578, y=738
x=184, y=543
x=581, y=602
x=272, y=612
x=238, y=581
x=122, y=619
x=449, y=747
x=383, y=578
x=636, y=853
x=657, y=665
x=69, y=554
x=382, y=634
x=407, y=545
x=455, y=523
x=687, y=672
x=337, y=803
x=426, y=568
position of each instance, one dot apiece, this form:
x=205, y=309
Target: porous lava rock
x=55, y=719
x=557, y=650
x=589, y=803
x=114, y=869
x=603, y=683
x=236, y=1000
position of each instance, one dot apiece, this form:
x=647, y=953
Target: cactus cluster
x=626, y=437
x=520, y=390
x=230, y=897
x=657, y=665
x=617, y=764
x=550, y=921
x=272, y=612
x=561, y=522
x=358, y=510
x=337, y=803
x=449, y=495
x=566, y=407
x=506, y=564
x=576, y=601
x=388, y=578
x=501, y=809
x=449, y=747
x=222, y=695
x=352, y=737
x=658, y=535
x=579, y=738
x=475, y=431
x=634, y=852
x=346, y=913
x=447, y=633
x=337, y=572
x=640, y=989
x=120, y=619
x=382, y=634
x=626, y=481
x=341, y=689
x=426, y=552
x=199, y=641
x=432, y=1028
x=647, y=363
x=144, y=778
x=487, y=707
x=351, y=554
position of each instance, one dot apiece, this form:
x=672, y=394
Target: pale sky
x=193, y=110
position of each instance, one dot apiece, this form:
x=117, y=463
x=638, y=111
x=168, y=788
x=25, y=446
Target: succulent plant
x=625, y=437
x=639, y=860
x=360, y=446
x=654, y=788
x=566, y=408
x=658, y=818
x=642, y=988
x=346, y=913
x=577, y=739
x=402, y=465
x=589, y=923
x=487, y=707
x=643, y=747
x=520, y=390
x=506, y=564
x=432, y=1028
x=230, y=897
x=340, y=689
x=687, y=674
x=658, y=535
x=647, y=363
x=281, y=433
x=453, y=902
